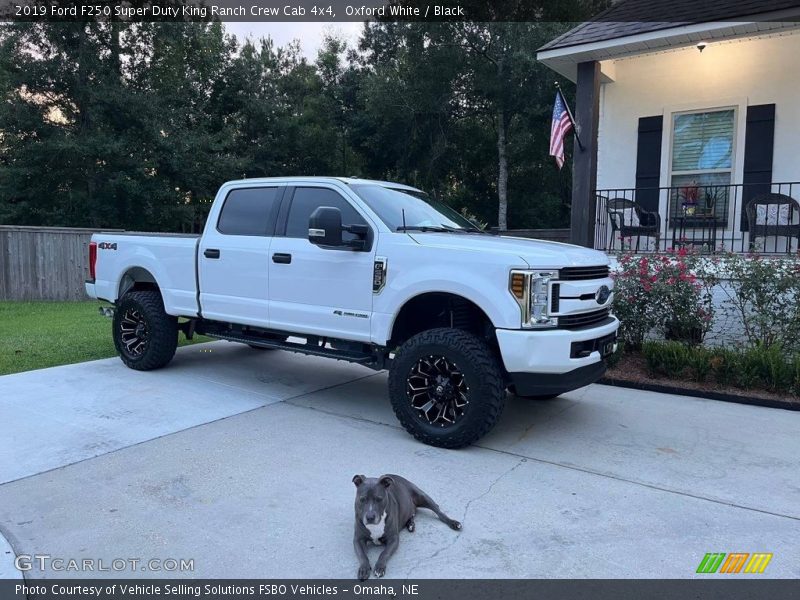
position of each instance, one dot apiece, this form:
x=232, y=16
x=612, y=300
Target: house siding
x=736, y=73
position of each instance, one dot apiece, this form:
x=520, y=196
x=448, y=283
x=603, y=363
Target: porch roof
x=633, y=27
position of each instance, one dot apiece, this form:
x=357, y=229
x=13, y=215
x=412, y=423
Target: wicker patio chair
x=782, y=220
x=628, y=219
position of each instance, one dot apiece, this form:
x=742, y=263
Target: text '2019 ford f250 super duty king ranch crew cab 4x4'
x=375, y=273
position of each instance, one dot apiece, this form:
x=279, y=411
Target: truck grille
x=581, y=273
x=583, y=319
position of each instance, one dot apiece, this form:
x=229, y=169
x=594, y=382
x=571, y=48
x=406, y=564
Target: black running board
x=373, y=360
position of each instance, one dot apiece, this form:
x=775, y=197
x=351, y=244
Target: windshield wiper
x=423, y=228
x=465, y=229
x=441, y=229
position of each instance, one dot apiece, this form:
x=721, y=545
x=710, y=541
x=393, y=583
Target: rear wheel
x=144, y=334
x=446, y=387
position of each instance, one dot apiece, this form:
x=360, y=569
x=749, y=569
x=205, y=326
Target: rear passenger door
x=318, y=290
x=233, y=259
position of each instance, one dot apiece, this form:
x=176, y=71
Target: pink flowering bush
x=667, y=293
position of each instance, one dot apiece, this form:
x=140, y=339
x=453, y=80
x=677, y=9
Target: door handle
x=281, y=257
x=211, y=253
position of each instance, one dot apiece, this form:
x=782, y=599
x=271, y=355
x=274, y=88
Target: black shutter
x=758, y=147
x=648, y=162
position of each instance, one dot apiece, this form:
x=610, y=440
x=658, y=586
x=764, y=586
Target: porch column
x=584, y=162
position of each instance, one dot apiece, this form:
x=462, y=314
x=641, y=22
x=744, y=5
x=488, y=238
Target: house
x=689, y=119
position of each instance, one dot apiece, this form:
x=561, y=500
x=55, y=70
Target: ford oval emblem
x=602, y=294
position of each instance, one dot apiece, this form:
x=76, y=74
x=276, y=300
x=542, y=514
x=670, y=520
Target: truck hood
x=537, y=253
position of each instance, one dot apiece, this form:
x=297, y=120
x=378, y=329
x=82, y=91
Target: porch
x=763, y=218
x=688, y=129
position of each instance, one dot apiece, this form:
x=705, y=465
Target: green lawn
x=35, y=335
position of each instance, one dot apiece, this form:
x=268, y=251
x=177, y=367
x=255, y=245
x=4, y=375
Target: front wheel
x=446, y=387
x=144, y=334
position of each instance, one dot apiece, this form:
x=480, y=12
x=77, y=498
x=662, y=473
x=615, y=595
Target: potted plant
x=688, y=196
x=711, y=195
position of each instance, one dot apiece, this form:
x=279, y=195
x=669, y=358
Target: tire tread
x=163, y=329
x=492, y=385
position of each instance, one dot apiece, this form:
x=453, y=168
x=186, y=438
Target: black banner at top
x=625, y=11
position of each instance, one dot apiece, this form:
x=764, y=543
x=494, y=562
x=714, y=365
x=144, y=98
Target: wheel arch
x=135, y=279
x=429, y=310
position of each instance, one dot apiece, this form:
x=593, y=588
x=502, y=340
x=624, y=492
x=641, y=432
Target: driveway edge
x=667, y=389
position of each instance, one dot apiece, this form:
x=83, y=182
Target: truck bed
x=169, y=258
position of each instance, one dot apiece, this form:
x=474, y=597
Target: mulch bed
x=631, y=372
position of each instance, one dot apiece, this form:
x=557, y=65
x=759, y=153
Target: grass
x=35, y=335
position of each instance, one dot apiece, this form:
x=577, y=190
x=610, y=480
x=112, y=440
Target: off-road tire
x=162, y=330
x=482, y=374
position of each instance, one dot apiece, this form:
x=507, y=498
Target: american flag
x=562, y=124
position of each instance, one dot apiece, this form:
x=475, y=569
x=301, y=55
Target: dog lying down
x=384, y=506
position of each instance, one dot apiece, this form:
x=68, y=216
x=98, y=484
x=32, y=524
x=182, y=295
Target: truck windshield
x=405, y=210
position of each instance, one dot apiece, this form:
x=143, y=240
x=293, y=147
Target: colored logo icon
x=735, y=562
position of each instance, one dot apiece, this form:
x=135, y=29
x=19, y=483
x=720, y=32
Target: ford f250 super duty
x=375, y=273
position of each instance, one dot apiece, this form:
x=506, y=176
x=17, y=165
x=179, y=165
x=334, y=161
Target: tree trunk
x=502, y=172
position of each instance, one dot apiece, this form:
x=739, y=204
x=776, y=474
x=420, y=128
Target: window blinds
x=702, y=141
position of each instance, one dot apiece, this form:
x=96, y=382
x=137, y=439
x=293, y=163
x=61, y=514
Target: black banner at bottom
x=422, y=589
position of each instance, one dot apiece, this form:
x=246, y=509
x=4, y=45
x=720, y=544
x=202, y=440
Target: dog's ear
x=358, y=479
x=386, y=481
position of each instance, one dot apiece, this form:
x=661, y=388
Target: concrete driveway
x=242, y=462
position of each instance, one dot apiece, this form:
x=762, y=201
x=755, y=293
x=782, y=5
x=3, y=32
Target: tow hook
x=106, y=311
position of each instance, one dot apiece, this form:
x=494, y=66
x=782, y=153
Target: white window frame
x=735, y=136
x=738, y=105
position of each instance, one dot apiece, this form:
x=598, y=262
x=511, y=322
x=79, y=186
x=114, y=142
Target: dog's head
x=372, y=497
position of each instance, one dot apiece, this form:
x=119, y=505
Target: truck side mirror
x=325, y=226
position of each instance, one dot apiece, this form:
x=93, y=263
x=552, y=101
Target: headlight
x=540, y=299
x=531, y=290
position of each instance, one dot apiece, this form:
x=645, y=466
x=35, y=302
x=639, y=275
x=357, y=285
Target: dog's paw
x=410, y=526
x=379, y=571
x=363, y=572
x=455, y=525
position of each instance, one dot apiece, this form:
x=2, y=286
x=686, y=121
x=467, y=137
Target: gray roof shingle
x=632, y=17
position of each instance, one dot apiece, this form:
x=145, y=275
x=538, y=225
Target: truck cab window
x=307, y=199
x=249, y=211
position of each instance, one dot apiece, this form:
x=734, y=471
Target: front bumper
x=557, y=359
x=553, y=384
x=553, y=351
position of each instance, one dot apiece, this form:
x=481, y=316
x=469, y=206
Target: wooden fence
x=51, y=263
x=44, y=263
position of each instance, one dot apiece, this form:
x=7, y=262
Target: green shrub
x=767, y=367
x=701, y=362
x=796, y=369
x=725, y=366
x=761, y=367
x=667, y=358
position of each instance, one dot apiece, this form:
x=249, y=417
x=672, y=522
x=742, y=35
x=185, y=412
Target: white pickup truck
x=375, y=273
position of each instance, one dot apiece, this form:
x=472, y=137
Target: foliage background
x=136, y=125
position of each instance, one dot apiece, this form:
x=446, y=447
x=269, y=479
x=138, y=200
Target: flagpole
x=571, y=118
